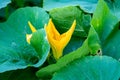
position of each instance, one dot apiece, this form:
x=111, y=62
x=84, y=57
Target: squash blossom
x=58, y=41
x=28, y=36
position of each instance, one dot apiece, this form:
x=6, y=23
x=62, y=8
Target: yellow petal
x=67, y=35
x=57, y=52
x=52, y=33
x=53, y=30
x=65, y=38
x=71, y=30
x=31, y=27
x=28, y=37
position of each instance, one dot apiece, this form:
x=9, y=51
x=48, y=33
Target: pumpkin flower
x=58, y=41
x=28, y=36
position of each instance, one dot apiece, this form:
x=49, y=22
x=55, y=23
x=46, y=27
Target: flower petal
x=28, y=37
x=67, y=36
x=52, y=33
x=31, y=27
x=56, y=34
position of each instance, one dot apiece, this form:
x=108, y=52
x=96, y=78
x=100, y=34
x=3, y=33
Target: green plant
x=91, y=53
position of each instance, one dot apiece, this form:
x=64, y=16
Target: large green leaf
x=86, y=5
x=114, y=6
x=63, y=19
x=3, y=3
x=103, y=21
x=105, y=25
x=21, y=74
x=73, y=45
x=90, y=68
x=112, y=45
x=15, y=52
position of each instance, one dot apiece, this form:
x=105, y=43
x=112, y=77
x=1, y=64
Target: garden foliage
x=86, y=32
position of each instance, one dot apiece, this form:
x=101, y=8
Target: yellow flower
x=28, y=36
x=58, y=41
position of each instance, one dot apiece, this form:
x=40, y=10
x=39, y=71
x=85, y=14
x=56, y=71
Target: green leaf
x=93, y=41
x=106, y=27
x=21, y=74
x=111, y=46
x=63, y=20
x=91, y=47
x=103, y=21
x=74, y=44
x=15, y=52
x=90, y=68
x=4, y=3
x=114, y=7
x=40, y=43
x=86, y=5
